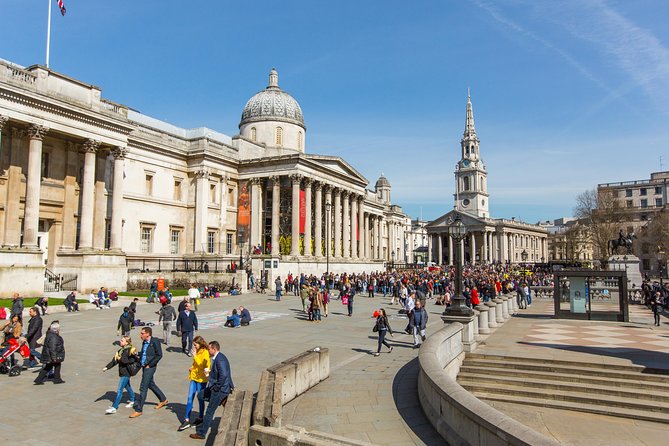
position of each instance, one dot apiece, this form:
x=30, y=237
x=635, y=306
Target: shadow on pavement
x=405, y=394
x=655, y=362
x=110, y=396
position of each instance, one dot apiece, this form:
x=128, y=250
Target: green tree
x=601, y=214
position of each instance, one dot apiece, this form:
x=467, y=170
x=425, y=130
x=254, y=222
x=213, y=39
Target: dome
x=272, y=104
x=382, y=182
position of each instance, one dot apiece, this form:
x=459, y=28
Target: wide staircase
x=615, y=390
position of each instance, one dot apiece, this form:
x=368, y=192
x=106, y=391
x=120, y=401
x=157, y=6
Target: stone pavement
x=365, y=397
x=534, y=334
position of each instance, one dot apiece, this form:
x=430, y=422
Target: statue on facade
x=623, y=241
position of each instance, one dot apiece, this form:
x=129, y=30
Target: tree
x=655, y=238
x=601, y=214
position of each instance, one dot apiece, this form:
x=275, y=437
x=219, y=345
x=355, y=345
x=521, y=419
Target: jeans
x=382, y=340
x=529, y=298
x=350, y=306
x=278, y=294
x=317, y=314
x=214, y=401
x=34, y=357
x=186, y=340
x=194, y=389
x=152, y=296
x=148, y=383
x=418, y=336
x=123, y=383
x=167, y=331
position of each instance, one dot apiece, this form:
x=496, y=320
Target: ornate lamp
x=458, y=231
x=523, y=255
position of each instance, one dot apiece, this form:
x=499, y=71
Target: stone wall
x=183, y=279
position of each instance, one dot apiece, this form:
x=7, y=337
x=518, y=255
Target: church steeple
x=469, y=142
x=470, y=130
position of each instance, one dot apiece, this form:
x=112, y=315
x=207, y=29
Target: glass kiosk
x=590, y=294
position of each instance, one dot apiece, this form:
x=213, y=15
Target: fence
x=181, y=265
x=59, y=282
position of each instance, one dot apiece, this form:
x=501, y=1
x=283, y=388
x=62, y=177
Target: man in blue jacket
x=219, y=387
x=149, y=356
x=187, y=325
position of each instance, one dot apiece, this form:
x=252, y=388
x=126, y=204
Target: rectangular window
x=146, y=238
x=644, y=203
x=643, y=191
x=646, y=264
x=628, y=192
x=148, y=188
x=175, y=236
x=211, y=241
x=177, y=189
x=228, y=243
x=231, y=196
x=658, y=190
x=658, y=202
x=45, y=165
x=212, y=193
x=107, y=234
x=629, y=203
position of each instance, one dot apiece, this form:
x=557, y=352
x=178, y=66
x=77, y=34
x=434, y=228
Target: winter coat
x=124, y=357
x=54, y=348
x=167, y=313
x=125, y=322
x=17, y=308
x=34, y=331
x=423, y=318
x=383, y=324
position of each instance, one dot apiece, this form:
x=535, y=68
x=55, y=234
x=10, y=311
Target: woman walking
x=53, y=355
x=656, y=306
x=349, y=305
x=128, y=366
x=198, y=381
x=382, y=327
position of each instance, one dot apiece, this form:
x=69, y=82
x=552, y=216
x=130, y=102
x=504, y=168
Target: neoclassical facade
x=488, y=239
x=93, y=188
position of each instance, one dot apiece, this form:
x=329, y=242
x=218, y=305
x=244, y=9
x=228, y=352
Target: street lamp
x=328, y=208
x=523, y=255
x=392, y=255
x=458, y=231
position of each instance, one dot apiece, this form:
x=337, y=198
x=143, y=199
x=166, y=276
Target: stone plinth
x=499, y=312
x=505, y=308
x=483, y=318
x=629, y=264
x=492, y=315
x=94, y=269
x=21, y=271
x=470, y=324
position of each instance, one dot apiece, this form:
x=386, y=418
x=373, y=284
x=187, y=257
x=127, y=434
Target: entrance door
x=43, y=239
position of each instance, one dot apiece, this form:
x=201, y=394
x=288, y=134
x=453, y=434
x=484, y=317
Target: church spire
x=470, y=130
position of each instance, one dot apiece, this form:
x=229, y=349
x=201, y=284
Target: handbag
x=40, y=341
x=344, y=300
x=375, y=328
x=134, y=367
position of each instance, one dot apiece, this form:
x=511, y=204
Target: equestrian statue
x=623, y=241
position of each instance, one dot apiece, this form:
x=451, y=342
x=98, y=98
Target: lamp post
x=523, y=255
x=328, y=208
x=392, y=255
x=458, y=231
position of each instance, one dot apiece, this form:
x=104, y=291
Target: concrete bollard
x=509, y=305
x=505, y=308
x=492, y=317
x=499, y=314
x=514, y=304
x=483, y=318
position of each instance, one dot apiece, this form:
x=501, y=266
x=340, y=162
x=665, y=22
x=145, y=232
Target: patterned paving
x=217, y=319
x=617, y=337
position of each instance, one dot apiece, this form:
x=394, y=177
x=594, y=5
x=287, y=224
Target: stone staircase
x=616, y=390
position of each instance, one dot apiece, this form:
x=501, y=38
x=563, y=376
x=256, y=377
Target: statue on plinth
x=623, y=241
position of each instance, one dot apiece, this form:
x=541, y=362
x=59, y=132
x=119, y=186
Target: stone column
x=337, y=223
x=33, y=180
x=12, y=234
x=295, y=214
x=429, y=247
x=276, y=195
x=89, y=148
x=361, y=229
x=450, y=250
x=256, y=211
x=328, y=220
x=472, y=248
x=100, y=204
x=116, y=242
x=367, y=237
x=318, y=221
x=440, y=242
x=71, y=198
x=5, y=154
x=381, y=223
x=307, y=216
x=485, y=246
x=354, y=221
x=346, y=232
x=201, y=206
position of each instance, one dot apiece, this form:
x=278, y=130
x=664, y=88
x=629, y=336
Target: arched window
x=279, y=136
x=465, y=183
x=299, y=140
x=254, y=134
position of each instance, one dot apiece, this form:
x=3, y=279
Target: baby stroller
x=8, y=364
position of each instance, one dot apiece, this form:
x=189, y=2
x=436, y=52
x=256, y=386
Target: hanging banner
x=578, y=295
x=243, y=212
x=303, y=210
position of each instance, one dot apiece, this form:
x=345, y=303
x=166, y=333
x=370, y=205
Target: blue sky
x=566, y=94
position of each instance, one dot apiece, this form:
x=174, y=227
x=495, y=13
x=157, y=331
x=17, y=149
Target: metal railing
x=202, y=265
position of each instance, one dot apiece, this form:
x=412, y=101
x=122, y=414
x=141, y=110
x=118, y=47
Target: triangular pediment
x=336, y=166
x=445, y=221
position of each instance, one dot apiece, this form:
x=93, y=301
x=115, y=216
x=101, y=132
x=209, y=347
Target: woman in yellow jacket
x=198, y=380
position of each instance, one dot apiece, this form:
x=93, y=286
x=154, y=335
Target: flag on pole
x=61, y=5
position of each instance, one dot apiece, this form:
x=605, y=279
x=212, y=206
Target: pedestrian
x=382, y=327
x=277, y=284
x=304, y=295
x=197, y=374
x=128, y=365
x=218, y=388
x=43, y=304
x=132, y=310
x=153, y=291
x=656, y=306
x=150, y=356
x=317, y=304
x=187, y=326
x=34, y=333
x=124, y=323
x=167, y=315
x=53, y=355
x=418, y=322
x=194, y=295
x=17, y=306
x=350, y=293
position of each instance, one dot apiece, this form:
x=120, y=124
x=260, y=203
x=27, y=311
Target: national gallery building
x=92, y=188
x=488, y=239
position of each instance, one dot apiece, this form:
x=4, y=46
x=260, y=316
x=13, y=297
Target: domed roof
x=382, y=182
x=272, y=104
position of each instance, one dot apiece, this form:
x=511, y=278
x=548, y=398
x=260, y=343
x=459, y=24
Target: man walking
x=279, y=288
x=418, y=322
x=219, y=387
x=33, y=334
x=187, y=325
x=150, y=357
x=167, y=315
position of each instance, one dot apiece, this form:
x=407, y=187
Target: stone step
x=635, y=414
x=575, y=398
x=541, y=365
x=647, y=393
x=627, y=383
x=560, y=362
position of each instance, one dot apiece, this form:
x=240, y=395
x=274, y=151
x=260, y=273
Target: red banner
x=243, y=212
x=303, y=210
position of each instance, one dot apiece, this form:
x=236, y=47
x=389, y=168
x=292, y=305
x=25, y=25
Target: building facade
x=91, y=187
x=488, y=239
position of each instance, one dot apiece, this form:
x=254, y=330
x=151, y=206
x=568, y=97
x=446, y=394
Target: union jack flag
x=61, y=5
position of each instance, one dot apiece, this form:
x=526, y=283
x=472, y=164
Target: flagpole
x=48, y=34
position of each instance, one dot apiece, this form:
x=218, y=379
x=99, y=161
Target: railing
x=114, y=107
x=68, y=282
x=51, y=281
x=202, y=265
x=18, y=74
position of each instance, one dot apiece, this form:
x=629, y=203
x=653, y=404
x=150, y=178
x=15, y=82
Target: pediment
x=445, y=220
x=335, y=165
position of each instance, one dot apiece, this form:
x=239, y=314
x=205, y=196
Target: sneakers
x=391, y=350
x=130, y=404
x=185, y=425
x=59, y=381
x=161, y=404
x=135, y=415
x=110, y=411
x=376, y=354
